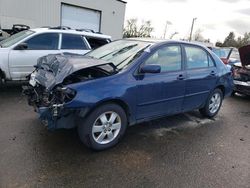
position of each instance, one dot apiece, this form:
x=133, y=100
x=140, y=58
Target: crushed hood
x=53, y=69
x=245, y=55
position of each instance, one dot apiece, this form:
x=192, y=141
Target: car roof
x=71, y=31
x=151, y=40
x=162, y=41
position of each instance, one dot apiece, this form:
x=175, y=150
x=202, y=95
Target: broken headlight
x=66, y=94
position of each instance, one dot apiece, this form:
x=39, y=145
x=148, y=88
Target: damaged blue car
x=126, y=82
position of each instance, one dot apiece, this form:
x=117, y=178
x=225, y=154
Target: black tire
x=85, y=126
x=1, y=78
x=233, y=93
x=205, y=111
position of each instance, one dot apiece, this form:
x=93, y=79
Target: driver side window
x=168, y=57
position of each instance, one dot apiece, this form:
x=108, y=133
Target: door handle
x=213, y=73
x=180, y=77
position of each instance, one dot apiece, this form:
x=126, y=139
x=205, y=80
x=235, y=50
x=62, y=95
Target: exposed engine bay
x=40, y=96
x=47, y=84
x=241, y=76
x=241, y=73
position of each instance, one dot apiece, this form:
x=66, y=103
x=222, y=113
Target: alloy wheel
x=214, y=103
x=106, y=127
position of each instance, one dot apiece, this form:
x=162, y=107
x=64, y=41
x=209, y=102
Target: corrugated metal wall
x=37, y=13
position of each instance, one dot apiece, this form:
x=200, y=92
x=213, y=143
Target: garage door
x=80, y=18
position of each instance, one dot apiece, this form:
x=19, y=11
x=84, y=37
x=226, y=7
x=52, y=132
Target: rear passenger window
x=46, y=41
x=96, y=42
x=210, y=61
x=197, y=58
x=73, y=42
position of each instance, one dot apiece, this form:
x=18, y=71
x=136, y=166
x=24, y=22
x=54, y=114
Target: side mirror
x=22, y=46
x=150, y=68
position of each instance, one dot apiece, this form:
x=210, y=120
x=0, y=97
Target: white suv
x=19, y=53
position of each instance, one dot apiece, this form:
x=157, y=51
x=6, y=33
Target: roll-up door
x=80, y=18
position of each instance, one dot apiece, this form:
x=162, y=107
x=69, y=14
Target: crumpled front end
x=51, y=106
x=241, y=76
x=48, y=90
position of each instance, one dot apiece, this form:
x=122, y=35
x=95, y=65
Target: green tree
x=230, y=40
x=219, y=44
x=133, y=29
x=243, y=41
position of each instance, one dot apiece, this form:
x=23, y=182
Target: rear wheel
x=213, y=104
x=104, y=127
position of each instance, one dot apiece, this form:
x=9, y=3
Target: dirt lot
x=185, y=150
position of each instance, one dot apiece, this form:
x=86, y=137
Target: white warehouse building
x=106, y=16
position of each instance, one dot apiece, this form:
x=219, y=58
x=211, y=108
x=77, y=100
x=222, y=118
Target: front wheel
x=213, y=104
x=104, y=127
x=233, y=93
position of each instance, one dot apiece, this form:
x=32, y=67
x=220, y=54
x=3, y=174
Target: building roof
x=122, y=1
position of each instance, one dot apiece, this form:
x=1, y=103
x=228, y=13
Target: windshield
x=221, y=52
x=15, y=38
x=121, y=53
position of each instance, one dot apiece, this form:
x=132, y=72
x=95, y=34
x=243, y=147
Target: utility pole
x=165, y=30
x=191, y=32
x=173, y=34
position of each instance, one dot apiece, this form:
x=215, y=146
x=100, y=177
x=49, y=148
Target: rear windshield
x=15, y=38
x=96, y=42
x=221, y=52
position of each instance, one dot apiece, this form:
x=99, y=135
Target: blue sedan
x=126, y=82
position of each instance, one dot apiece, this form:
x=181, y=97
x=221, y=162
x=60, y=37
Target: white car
x=19, y=53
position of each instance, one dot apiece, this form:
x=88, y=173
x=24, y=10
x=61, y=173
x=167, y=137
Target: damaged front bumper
x=52, y=113
x=242, y=87
x=57, y=117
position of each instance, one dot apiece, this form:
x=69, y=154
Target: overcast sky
x=216, y=18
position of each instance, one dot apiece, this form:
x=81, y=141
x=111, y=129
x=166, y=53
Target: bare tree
x=133, y=29
x=198, y=35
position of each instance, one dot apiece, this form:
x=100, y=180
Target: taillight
x=224, y=60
